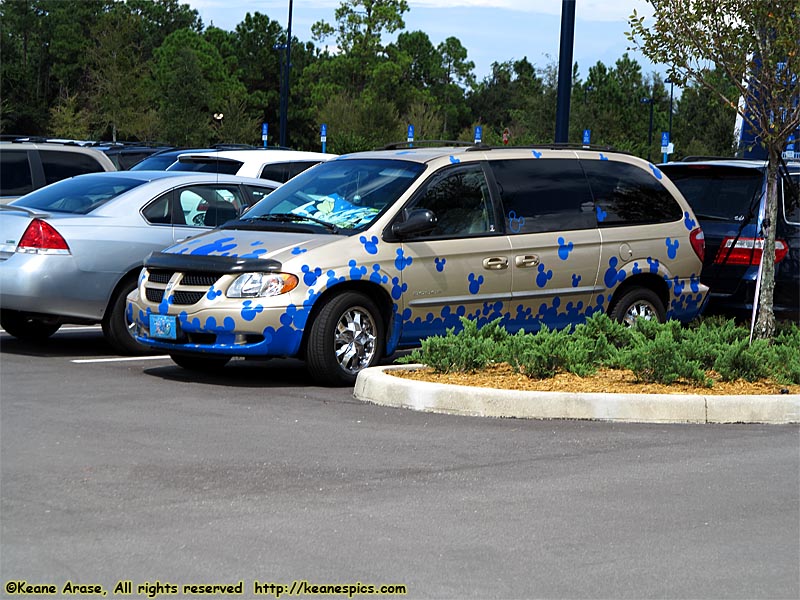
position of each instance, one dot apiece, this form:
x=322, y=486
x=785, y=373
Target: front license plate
x=164, y=327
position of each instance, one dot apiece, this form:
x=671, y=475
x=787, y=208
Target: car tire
x=28, y=327
x=638, y=303
x=200, y=363
x=346, y=337
x=117, y=330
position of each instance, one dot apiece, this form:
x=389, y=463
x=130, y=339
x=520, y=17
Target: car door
x=461, y=267
x=555, y=245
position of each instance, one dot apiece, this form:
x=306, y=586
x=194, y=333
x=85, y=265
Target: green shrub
x=537, y=356
x=660, y=360
x=467, y=351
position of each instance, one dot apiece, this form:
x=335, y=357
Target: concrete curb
x=376, y=386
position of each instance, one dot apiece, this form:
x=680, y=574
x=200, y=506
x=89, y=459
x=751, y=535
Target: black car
x=729, y=199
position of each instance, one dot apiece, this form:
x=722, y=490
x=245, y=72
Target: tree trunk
x=765, y=319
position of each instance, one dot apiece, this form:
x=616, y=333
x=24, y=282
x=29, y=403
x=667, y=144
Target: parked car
x=267, y=163
x=375, y=251
x=72, y=251
x=124, y=155
x=159, y=161
x=729, y=200
x=26, y=166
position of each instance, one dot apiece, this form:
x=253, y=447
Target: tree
x=755, y=44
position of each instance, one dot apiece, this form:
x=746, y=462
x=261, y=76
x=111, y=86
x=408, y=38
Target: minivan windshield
x=339, y=195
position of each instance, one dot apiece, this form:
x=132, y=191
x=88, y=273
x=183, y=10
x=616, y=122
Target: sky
x=490, y=30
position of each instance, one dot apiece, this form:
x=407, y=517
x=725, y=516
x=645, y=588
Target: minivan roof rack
x=426, y=144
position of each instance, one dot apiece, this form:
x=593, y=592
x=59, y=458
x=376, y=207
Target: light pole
x=650, y=130
x=671, y=86
x=285, y=83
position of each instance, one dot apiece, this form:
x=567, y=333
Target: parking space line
x=122, y=359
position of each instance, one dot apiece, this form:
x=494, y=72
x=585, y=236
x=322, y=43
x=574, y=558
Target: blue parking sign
x=665, y=138
x=410, y=133
x=478, y=134
x=587, y=136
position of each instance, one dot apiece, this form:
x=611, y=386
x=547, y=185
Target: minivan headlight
x=261, y=285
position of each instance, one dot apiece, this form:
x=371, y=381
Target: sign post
x=666, y=147
x=323, y=136
x=264, y=130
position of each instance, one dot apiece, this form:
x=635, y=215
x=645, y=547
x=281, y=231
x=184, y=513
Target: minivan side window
x=283, y=172
x=625, y=194
x=15, y=173
x=541, y=195
x=60, y=165
x=460, y=199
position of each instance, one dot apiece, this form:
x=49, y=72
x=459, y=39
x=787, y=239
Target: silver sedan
x=72, y=251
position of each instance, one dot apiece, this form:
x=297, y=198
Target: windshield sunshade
x=348, y=194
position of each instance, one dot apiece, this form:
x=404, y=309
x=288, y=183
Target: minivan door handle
x=526, y=260
x=495, y=263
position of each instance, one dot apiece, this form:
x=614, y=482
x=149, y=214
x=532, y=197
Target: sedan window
x=78, y=195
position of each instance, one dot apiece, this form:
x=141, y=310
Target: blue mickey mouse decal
x=376, y=276
x=688, y=221
x=213, y=294
x=397, y=289
x=694, y=283
x=356, y=272
x=544, y=276
x=564, y=249
x=636, y=270
x=613, y=276
x=601, y=214
x=310, y=277
x=536, y=154
x=440, y=262
x=672, y=247
x=454, y=160
x=602, y=157
x=654, y=264
x=297, y=250
x=370, y=245
x=656, y=171
x=475, y=284
x=515, y=223
x=219, y=246
x=250, y=312
x=576, y=279
x=402, y=261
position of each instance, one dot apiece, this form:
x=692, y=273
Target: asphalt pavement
x=115, y=469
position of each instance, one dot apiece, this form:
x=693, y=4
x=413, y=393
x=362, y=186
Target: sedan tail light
x=747, y=251
x=698, y=241
x=42, y=238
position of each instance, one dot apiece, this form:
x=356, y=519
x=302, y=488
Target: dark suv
x=729, y=199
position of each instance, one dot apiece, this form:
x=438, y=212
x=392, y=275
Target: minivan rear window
x=718, y=192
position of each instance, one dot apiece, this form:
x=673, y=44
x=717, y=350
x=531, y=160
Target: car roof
x=179, y=177
x=259, y=154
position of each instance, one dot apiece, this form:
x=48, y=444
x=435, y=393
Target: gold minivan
x=372, y=252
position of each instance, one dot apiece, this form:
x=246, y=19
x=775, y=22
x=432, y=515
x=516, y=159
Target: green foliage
x=654, y=352
x=468, y=351
x=659, y=359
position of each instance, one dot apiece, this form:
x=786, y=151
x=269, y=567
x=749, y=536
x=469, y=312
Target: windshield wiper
x=293, y=218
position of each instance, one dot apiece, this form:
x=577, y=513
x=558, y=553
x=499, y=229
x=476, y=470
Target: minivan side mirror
x=418, y=221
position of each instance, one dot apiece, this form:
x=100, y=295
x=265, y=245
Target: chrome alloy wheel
x=355, y=339
x=641, y=309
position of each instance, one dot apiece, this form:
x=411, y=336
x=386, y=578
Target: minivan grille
x=185, y=293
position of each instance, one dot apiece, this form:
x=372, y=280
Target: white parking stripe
x=83, y=361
